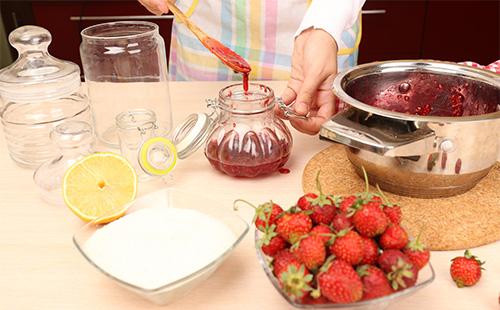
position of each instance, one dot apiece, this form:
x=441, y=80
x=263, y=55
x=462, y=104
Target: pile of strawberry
x=333, y=249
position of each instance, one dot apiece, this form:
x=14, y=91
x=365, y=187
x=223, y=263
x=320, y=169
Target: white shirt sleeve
x=333, y=16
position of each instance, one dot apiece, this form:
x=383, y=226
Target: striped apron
x=262, y=32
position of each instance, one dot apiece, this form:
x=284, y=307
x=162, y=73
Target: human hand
x=314, y=66
x=157, y=7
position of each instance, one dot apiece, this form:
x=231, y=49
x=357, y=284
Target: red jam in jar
x=248, y=140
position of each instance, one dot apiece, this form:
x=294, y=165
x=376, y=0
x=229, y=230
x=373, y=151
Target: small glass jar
x=38, y=92
x=248, y=140
x=142, y=144
x=75, y=139
x=125, y=67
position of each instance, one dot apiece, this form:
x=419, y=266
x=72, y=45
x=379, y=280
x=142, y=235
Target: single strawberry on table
x=293, y=224
x=322, y=207
x=310, y=250
x=417, y=253
x=375, y=283
x=265, y=214
x=394, y=237
x=339, y=282
x=466, y=270
x=348, y=246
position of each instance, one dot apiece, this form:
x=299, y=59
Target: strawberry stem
x=318, y=183
x=235, y=207
x=384, y=197
x=367, y=184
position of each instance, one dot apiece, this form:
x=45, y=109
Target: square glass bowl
x=425, y=276
x=178, y=199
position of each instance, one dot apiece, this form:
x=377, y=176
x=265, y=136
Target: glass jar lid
x=36, y=75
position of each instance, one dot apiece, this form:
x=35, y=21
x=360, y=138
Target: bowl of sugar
x=166, y=244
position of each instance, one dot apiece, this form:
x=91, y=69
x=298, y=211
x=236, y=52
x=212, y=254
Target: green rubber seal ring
x=144, y=155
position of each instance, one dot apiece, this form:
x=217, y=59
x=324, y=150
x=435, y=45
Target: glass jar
x=242, y=136
x=248, y=140
x=143, y=146
x=75, y=139
x=125, y=67
x=37, y=92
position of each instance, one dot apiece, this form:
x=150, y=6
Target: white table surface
x=41, y=269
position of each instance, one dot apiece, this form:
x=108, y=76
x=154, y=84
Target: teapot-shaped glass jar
x=247, y=140
x=242, y=136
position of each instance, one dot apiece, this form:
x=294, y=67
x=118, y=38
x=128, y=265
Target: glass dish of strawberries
x=332, y=251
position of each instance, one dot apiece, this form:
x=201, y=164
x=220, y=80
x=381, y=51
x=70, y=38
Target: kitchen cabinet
x=395, y=32
x=66, y=19
x=440, y=30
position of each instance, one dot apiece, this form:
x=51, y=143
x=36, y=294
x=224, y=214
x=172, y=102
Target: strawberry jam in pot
x=248, y=140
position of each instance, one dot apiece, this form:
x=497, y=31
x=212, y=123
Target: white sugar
x=155, y=246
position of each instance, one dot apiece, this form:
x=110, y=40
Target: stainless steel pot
x=418, y=155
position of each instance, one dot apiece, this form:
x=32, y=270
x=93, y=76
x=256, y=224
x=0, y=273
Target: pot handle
x=378, y=134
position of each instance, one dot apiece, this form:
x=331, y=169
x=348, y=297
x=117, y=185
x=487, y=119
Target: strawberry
x=400, y=271
x=339, y=283
x=282, y=260
x=295, y=282
x=389, y=258
x=304, y=202
x=309, y=300
x=392, y=211
x=370, y=251
x=265, y=214
x=291, y=226
x=310, y=250
x=271, y=243
x=417, y=253
x=322, y=231
x=375, y=283
x=348, y=246
x=341, y=221
x=394, y=237
x=347, y=203
x=403, y=275
x=369, y=220
x=466, y=270
x=322, y=207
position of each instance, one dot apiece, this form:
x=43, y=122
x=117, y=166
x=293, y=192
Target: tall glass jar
x=38, y=92
x=125, y=67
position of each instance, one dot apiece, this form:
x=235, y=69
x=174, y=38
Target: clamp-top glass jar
x=242, y=136
x=38, y=92
x=248, y=139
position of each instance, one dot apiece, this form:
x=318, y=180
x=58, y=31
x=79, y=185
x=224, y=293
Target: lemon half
x=99, y=187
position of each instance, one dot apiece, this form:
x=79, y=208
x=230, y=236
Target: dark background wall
x=398, y=29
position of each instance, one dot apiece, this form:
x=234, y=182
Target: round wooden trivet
x=460, y=222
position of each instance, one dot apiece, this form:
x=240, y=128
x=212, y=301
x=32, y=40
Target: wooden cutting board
x=460, y=222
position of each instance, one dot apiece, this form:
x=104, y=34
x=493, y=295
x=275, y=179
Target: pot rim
x=433, y=66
